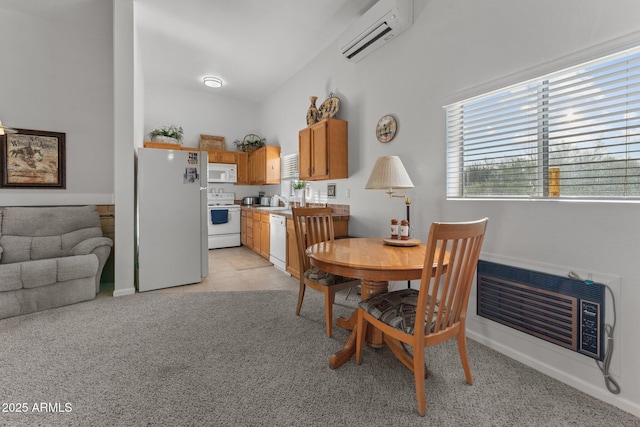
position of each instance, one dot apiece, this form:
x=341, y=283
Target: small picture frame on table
x=32, y=159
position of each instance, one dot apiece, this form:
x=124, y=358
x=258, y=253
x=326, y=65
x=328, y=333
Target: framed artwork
x=33, y=159
x=331, y=191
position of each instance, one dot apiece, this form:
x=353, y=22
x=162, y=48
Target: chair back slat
x=312, y=225
x=454, y=248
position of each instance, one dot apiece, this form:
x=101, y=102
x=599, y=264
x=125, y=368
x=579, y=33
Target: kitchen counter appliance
x=220, y=172
x=278, y=241
x=223, y=221
x=250, y=201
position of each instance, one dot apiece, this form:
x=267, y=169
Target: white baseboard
x=561, y=376
x=124, y=292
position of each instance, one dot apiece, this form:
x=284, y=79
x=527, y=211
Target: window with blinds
x=570, y=134
x=289, y=166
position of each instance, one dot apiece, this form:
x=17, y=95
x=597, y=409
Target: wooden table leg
x=348, y=323
x=343, y=356
x=374, y=336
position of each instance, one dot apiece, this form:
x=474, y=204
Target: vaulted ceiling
x=254, y=46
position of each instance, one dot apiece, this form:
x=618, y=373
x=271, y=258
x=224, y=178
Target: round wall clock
x=386, y=128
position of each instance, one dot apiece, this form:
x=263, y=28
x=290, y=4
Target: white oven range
x=223, y=222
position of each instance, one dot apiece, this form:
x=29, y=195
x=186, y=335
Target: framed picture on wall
x=33, y=159
x=331, y=191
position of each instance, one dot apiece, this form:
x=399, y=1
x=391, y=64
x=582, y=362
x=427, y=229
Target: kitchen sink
x=274, y=208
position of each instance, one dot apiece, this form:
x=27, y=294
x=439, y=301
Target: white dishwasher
x=278, y=241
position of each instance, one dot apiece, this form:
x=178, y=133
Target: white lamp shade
x=388, y=173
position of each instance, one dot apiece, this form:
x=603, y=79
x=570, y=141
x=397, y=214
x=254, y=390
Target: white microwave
x=219, y=172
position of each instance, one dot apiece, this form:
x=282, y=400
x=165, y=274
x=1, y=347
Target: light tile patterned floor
x=224, y=277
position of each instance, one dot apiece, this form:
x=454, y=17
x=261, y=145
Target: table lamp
x=389, y=174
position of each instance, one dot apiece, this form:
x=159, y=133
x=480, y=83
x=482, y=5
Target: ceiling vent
x=380, y=24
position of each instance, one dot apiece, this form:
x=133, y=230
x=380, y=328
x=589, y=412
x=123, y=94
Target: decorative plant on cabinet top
x=170, y=134
x=250, y=143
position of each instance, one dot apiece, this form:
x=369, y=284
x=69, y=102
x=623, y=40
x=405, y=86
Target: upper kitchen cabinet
x=264, y=165
x=217, y=156
x=243, y=168
x=323, y=151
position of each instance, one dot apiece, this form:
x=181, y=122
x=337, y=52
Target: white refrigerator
x=171, y=221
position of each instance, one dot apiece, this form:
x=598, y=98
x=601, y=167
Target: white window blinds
x=571, y=134
x=289, y=166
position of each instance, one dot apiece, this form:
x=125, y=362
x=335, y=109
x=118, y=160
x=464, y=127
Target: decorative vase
x=312, y=112
x=300, y=196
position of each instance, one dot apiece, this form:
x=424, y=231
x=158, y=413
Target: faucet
x=284, y=200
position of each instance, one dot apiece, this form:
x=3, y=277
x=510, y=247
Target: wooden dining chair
x=315, y=225
x=436, y=312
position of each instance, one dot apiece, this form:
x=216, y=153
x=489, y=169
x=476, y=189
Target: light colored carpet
x=244, y=262
x=245, y=359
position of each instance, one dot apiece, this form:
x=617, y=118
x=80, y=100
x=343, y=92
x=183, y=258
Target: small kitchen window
x=289, y=166
x=573, y=134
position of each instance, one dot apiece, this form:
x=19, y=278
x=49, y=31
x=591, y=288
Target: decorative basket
x=212, y=142
x=249, y=145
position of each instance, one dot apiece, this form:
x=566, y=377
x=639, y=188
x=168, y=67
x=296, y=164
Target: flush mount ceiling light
x=213, y=82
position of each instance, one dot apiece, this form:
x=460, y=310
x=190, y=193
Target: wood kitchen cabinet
x=257, y=235
x=264, y=165
x=217, y=156
x=323, y=152
x=242, y=163
x=162, y=145
x=214, y=156
x=260, y=234
x=243, y=227
x=265, y=235
x=255, y=229
x=249, y=225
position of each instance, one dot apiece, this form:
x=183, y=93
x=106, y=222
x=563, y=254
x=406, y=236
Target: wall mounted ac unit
x=382, y=22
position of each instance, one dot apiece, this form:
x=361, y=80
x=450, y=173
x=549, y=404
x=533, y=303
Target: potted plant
x=250, y=143
x=299, y=185
x=171, y=134
x=299, y=188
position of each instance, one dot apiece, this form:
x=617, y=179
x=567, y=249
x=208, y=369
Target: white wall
x=204, y=112
x=454, y=47
x=199, y=112
x=58, y=76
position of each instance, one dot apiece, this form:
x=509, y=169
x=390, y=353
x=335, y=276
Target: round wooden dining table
x=375, y=264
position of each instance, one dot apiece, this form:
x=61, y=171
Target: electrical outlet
x=347, y=193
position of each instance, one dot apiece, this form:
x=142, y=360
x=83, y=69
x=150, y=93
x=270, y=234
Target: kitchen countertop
x=340, y=216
